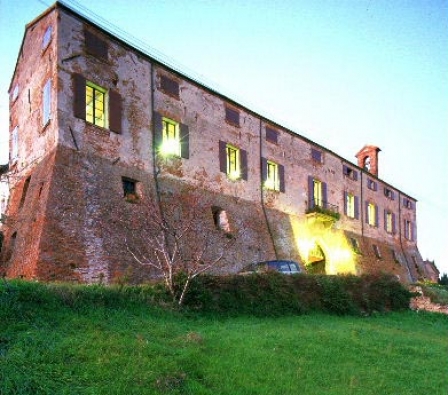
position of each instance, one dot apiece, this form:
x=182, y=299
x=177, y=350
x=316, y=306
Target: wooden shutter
x=310, y=192
x=324, y=195
x=115, y=111
x=158, y=128
x=366, y=205
x=232, y=116
x=345, y=202
x=264, y=169
x=243, y=163
x=385, y=220
x=377, y=216
x=356, y=207
x=184, y=141
x=316, y=155
x=95, y=45
x=271, y=135
x=281, y=177
x=355, y=175
x=393, y=223
x=223, y=156
x=79, y=93
x=169, y=86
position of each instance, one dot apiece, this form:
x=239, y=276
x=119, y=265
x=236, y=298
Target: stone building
x=101, y=130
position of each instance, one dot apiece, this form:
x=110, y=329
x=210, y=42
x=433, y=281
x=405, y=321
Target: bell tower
x=368, y=159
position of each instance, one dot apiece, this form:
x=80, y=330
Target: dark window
x=395, y=256
x=389, y=193
x=220, y=219
x=129, y=189
x=233, y=116
x=47, y=37
x=271, y=135
x=349, y=172
x=355, y=245
x=169, y=86
x=377, y=251
x=316, y=155
x=95, y=45
x=407, y=203
x=372, y=184
x=26, y=184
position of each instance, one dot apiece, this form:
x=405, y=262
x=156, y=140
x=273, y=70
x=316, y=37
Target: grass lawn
x=54, y=343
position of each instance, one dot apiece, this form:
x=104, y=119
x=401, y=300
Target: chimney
x=368, y=159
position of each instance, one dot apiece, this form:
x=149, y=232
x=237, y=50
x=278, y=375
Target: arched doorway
x=316, y=260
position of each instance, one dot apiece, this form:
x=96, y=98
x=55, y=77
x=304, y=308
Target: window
x=220, y=219
x=129, y=189
x=408, y=230
x=170, y=137
x=389, y=221
x=15, y=93
x=351, y=204
x=46, y=103
x=317, y=193
x=232, y=116
x=355, y=245
x=273, y=175
x=371, y=214
x=26, y=184
x=372, y=185
x=15, y=144
x=367, y=164
x=349, y=172
x=389, y=193
x=169, y=86
x=395, y=256
x=316, y=155
x=271, y=135
x=377, y=251
x=96, y=104
x=407, y=203
x=232, y=161
x=95, y=45
x=47, y=37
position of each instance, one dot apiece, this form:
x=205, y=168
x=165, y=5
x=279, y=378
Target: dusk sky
x=343, y=73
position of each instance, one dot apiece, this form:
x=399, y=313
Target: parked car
x=281, y=266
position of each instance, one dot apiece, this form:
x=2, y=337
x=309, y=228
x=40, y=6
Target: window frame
x=350, y=205
x=46, y=103
x=170, y=144
x=272, y=176
x=91, y=118
x=233, y=116
x=372, y=184
x=46, y=38
x=372, y=214
x=233, y=161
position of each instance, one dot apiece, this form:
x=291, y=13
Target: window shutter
x=377, y=216
x=324, y=195
x=184, y=141
x=366, y=205
x=158, y=128
x=243, y=159
x=412, y=232
x=271, y=135
x=169, y=86
x=406, y=230
x=310, y=192
x=392, y=195
x=385, y=219
x=222, y=156
x=344, y=170
x=316, y=155
x=233, y=116
x=79, y=93
x=393, y=223
x=264, y=170
x=281, y=176
x=355, y=175
x=356, y=207
x=95, y=45
x=115, y=110
x=345, y=202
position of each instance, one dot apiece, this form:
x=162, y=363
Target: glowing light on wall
x=170, y=147
x=234, y=174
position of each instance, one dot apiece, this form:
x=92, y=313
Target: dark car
x=281, y=266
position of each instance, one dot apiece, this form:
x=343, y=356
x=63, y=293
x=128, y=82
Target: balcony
x=322, y=211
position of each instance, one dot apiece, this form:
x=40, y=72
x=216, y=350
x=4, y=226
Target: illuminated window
x=408, y=230
x=389, y=222
x=95, y=104
x=350, y=204
x=317, y=193
x=233, y=162
x=372, y=217
x=272, y=179
x=170, y=137
x=46, y=103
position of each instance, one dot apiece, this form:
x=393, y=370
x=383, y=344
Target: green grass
x=437, y=293
x=98, y=340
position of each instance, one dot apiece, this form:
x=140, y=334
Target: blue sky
x=342, y=73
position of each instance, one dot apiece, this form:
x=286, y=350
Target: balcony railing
x=322, y=207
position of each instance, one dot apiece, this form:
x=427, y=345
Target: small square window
x=407, y=203
x=169, y=86
x=389, y=193
x=349, y=172
x=233, y=116
x=271, y=135
x=129, y=189
x=372, y=185
x=316, y=155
